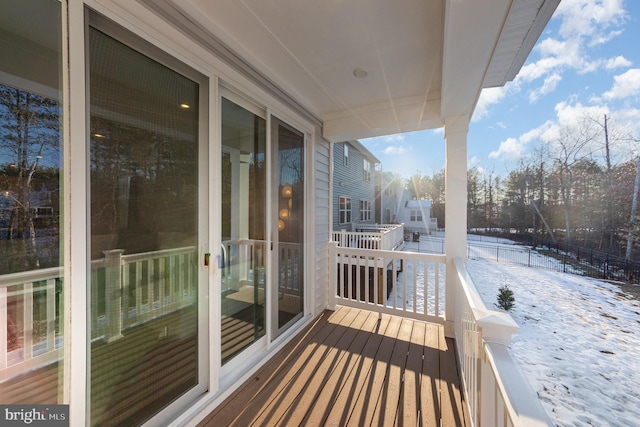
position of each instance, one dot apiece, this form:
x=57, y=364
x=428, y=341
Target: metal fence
x=546, y=255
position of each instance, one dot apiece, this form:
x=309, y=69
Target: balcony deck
x=351, y=367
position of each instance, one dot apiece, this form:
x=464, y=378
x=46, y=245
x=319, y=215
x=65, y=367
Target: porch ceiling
x=424, y=59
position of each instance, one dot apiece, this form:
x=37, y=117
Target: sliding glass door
x=145, y=220
x=243, y=249
x=287, y=202
x=262, y=266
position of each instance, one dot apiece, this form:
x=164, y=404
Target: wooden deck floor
x=352, y=368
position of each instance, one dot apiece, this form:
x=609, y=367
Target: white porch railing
x=126, y=290
x=497, y=391
x=498, y=394
x=386, y=237
x=399, y=283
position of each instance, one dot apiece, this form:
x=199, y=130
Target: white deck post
x=333, y=276
x=113, y=293
x=456, y=129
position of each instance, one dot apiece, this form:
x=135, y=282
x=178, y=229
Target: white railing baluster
x=51, y=314
x=113, y=293
x=27, y=321
x=4, y=321
x=436, y=289
x=137, y=282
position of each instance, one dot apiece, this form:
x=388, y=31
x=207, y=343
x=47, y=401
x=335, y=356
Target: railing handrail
x=30, y=276
x=43, y=274
x=524, y=406
x=381, y=236
x=489, y=364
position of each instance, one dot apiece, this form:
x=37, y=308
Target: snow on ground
x=578, y=343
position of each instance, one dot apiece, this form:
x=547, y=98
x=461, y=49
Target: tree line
x=577, y=186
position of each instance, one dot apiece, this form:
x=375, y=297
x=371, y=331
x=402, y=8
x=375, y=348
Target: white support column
x=456, y=129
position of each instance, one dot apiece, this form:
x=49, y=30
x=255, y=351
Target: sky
x=586, y=63
x=579, y=338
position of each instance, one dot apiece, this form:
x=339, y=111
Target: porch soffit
x=424, y=59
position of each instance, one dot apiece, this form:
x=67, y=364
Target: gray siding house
x=354, y=189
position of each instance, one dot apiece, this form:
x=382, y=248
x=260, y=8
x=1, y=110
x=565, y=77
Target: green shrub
x=506, y=300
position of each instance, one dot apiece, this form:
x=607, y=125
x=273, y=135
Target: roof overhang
x=372, y=67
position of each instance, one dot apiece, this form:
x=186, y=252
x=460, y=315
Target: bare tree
x=29, y=131
x=572, y=144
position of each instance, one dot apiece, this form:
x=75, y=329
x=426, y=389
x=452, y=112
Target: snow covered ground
x=578, y=343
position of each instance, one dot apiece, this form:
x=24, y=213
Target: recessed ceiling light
x=185, y=106
x=360, y=73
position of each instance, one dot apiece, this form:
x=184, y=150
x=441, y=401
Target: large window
x=365, y=210
x=416, y=215
x=31, y=282
x=144, y=206
x=344, y=210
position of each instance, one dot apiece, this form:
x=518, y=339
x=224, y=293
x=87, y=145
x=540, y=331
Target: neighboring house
x=354, y=186
x=416, y=215
x=196, y=143
x=397, y=206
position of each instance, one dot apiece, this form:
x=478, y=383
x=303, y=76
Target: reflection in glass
x=289, y=202
x=31, y=312
x=243, y=228
x=144, y=195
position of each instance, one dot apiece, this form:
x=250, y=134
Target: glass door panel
x=288, y=209
x=31, y=195
x=243, y=229
x=144, y=147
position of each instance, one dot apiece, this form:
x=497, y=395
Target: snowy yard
x=578, y=343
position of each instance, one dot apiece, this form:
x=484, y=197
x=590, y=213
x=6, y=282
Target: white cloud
x=514, y=148
x=487, y=98
x=625, y=85
x=617, y=62
x=510, y=149
x=584, y=23
x=592, y=19
x=394, y=138
x=550, y=84
x=394, y=150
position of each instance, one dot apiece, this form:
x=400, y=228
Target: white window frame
x=415, y=215
x=345, y=154
x=365, y=210
x=344, y=207
x=366, y=170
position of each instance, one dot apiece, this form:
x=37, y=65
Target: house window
x=345, y=157
x=366, y=173
x=344, y=210
x=365, y=210
x=416, y=216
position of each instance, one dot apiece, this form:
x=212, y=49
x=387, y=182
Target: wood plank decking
x=353, y=368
